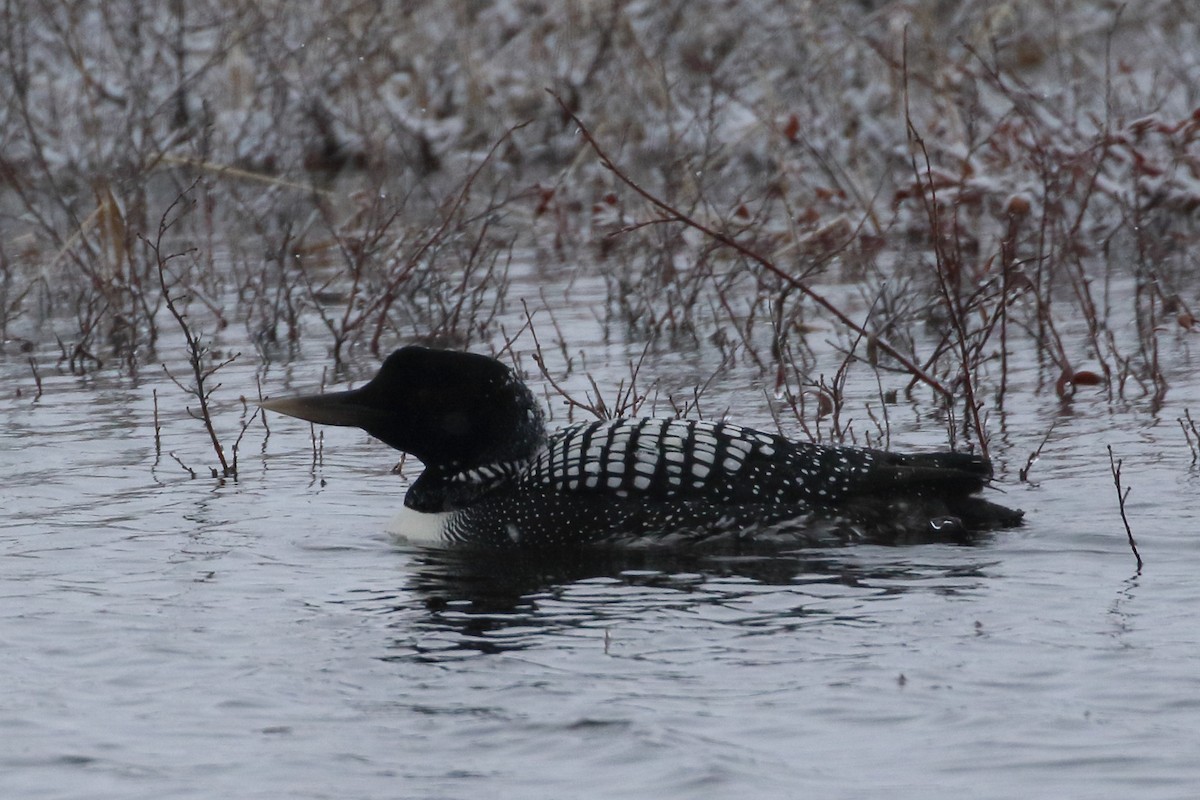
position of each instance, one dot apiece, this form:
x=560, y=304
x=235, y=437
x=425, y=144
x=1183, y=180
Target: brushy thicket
x=941, y=184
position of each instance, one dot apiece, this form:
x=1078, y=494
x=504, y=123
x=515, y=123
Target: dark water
x=169, y=637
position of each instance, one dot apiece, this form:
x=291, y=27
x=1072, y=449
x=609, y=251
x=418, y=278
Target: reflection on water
x=461, y=602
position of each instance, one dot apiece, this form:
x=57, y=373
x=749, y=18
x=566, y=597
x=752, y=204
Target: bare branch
x=1115, y=466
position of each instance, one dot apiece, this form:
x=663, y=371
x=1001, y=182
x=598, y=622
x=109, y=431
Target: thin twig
x=196, y=349
x=383, y=302
x=37, y=379
x=1191, y=434
x=594, y=407
x=1115, y=466
x=157, y=430
x=1023, y=473
x=223, y=170
x=952, y=300
x=749, y=253
x=238, y=442
x=191, y=472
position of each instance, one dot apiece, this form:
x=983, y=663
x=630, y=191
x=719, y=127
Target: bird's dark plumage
x=490, y=462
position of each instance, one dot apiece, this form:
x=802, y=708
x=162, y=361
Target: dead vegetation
x=961, y=208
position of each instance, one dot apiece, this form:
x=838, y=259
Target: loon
x=499, y=479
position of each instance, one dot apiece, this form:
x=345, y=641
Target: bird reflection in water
x=461, y=603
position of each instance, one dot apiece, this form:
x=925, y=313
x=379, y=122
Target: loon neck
x=444, y=487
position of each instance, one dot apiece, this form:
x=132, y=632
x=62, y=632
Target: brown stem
x=1115, y=466
x=766, y=263
x=196, y=348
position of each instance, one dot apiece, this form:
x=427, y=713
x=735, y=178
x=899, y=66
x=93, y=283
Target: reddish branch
x=674, y=214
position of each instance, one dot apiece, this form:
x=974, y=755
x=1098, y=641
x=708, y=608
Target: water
x=170, y=637
x=167, y=636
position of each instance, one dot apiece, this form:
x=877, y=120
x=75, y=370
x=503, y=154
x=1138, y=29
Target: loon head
x=446, y=408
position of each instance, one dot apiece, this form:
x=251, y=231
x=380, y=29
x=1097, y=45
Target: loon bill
x=505, y=481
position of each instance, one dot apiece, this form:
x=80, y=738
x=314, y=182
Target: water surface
x=172, y=637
